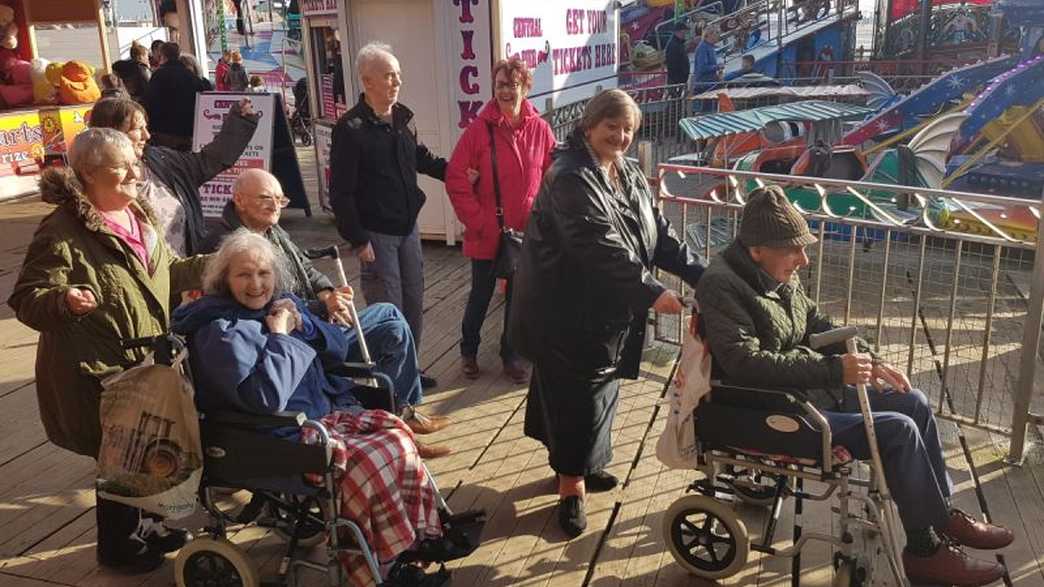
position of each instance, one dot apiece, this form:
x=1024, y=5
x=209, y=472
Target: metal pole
x=1030, y=352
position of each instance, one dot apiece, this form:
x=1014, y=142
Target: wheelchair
x=758, y=447
x=238, y=454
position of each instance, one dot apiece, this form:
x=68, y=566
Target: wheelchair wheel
x=706, y=537
x=209, y=561
x=312, y=534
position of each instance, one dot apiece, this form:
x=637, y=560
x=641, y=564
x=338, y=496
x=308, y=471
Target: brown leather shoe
x=972, y=533
x=516, y=372
x=951, y=566
x=433, y=451
x=469, y=365
x=421, y=424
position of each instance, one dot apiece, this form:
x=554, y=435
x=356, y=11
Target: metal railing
x=960, y=311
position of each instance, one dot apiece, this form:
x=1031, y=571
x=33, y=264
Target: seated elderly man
x=257, y=203
x=757, y=321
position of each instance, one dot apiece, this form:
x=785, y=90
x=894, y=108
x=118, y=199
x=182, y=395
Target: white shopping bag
x=676, y=447
x=151, y=456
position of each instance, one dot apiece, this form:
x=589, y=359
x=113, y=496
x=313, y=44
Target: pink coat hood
x=523, y=154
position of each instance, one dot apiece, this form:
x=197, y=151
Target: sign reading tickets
x=471, y=59
x=318, y=7
x=567, y=44
x=211, y=109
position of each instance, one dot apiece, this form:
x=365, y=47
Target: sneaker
x=469, y=365
x=600, y=481
x=571, y=516
x=516, y=372
x=950, y=566
x=427, y=381
x=972, y=533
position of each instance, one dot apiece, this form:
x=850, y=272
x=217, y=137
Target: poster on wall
x=61, y=125
x=570, y=46
x=211, y=110
x=318, y=7
x=322, y=134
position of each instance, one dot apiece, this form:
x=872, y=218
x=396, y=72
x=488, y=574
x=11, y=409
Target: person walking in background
x=375, y=157
x=134, y=71
x=510, y=146
x=192, y=64
x=236, y=79
x=706, y=70
x=112, y=86
x=171, y=101
x=583, y=291
x=155, y=54
x=220, y=70
x=677, y=55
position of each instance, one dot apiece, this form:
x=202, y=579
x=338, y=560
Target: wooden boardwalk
x=46, y=504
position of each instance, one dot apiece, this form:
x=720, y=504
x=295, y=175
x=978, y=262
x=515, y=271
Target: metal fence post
x=1030, y=351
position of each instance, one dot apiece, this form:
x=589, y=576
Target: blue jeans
x=391, y=348
x=396, y=276
x=483, y=283
x=908, y=440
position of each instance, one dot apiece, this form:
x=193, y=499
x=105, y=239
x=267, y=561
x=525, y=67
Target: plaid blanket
x=384, y=490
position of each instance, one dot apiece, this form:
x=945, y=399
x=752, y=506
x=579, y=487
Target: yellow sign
x=61, y=125
x=21, y=141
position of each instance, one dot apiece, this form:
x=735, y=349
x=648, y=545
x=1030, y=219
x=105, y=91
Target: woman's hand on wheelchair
x=885, y=376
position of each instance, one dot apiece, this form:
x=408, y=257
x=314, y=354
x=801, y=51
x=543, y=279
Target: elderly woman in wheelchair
x=279, y=404
x=784, y=404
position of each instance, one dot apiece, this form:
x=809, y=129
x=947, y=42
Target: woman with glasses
x=509, y=146
x=96, y=274
x=172, y=178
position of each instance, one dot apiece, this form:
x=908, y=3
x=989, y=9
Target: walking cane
x=334, y=253
x=889, y=519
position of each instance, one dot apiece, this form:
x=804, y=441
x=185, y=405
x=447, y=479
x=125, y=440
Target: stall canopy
x=721, y=124
x=808, y=92
x=901, y=8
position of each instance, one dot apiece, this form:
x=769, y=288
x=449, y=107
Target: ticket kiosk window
x=326, y=48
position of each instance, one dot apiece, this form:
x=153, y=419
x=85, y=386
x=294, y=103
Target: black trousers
x=239, y=16
x=483, y=283
x=117, y=527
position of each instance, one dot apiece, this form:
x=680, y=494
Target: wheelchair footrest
x=461, y=535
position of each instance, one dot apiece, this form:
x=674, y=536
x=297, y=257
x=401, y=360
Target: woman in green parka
x=97, y=273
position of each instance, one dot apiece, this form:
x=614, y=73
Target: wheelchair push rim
x=210, y=561
x=706, y=537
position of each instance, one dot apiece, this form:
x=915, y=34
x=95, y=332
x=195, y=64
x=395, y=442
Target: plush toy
x=44, y=92
x=17, y=86
x=77, y=84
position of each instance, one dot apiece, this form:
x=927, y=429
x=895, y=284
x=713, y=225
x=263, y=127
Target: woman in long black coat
x=583, y=291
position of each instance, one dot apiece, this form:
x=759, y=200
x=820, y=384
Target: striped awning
x=709, y=126
x=808, y=92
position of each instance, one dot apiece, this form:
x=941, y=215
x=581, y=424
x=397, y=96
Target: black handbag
x=509, y=246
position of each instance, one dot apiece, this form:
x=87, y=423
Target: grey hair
x=215, y=275
x=369, y=53
x=93, y=148
x=191, y=63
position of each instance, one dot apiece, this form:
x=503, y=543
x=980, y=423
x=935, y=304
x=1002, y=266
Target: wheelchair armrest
x=352, y=370
x=247, y=420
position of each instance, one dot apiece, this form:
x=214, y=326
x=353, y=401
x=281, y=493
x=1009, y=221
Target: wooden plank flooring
x=47, y=529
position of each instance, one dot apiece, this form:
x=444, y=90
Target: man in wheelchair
x=257, y=204
x=757, y=321
x=255, y=349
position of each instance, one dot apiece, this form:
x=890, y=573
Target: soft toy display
x=16, y=86
x=77, y=85
x=44, y=91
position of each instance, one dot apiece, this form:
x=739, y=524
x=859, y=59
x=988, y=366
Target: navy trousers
x=392, y=349
x=911, y=453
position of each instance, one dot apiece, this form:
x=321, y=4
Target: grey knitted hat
x=770, y=220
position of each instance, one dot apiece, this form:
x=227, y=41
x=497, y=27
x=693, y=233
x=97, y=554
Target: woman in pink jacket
x=524, y=142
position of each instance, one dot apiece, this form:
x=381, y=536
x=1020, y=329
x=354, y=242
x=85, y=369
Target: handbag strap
x=496, y=179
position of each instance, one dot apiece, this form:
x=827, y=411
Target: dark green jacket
x=758, y=330
x=73, y=248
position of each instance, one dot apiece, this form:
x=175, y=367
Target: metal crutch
x=890, y=524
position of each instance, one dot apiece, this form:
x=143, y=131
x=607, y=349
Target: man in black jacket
x=677, y=56
x=375, y=158
x=171, y=101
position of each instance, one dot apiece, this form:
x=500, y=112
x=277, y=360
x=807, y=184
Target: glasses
x=280, y=201
x=508, y=86
x=134, y=168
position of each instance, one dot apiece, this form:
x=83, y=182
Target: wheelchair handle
x=319, y=253
x=830, y=337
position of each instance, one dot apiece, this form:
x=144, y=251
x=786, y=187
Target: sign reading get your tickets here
x=211, y=109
